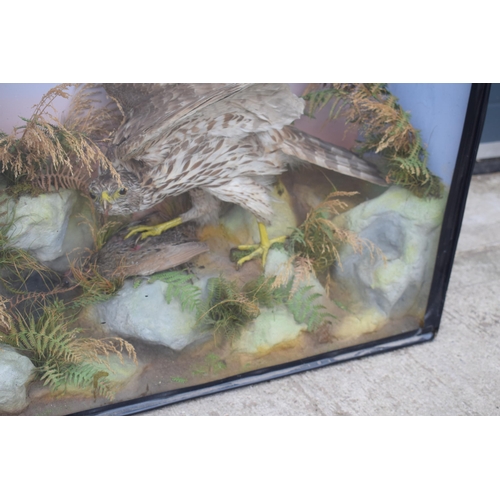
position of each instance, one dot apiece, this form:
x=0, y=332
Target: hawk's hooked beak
x=105, y=199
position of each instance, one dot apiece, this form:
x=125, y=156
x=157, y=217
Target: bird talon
x=251, y=256
x=154, y=230
x=261, y=249
x=247, y=247
x=137, y=229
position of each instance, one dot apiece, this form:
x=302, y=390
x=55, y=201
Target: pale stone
x=271, y=328
x=242, y=224
x=370, y=320
x=50, y=226
x=277, y=262
x=406, y=230
x=144, y=313
x=78, y=239
x=16, y=371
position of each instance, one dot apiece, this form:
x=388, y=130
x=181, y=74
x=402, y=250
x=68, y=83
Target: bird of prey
x=220, y=142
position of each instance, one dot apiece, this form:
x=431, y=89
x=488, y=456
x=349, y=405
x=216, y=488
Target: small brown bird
x=124, y=258
x=220, y=142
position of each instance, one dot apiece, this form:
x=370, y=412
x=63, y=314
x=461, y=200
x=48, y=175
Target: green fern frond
x=60, y=357
x=46, y=338
x=303, y=305
x=260, y=291
x=180, y=287
x=318, y=99
x=88, y=376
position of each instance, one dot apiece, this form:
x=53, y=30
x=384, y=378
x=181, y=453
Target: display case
x=161, y=242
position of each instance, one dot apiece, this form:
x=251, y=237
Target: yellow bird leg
x=154, y=230
x=261, y=249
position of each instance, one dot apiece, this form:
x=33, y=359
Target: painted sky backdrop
x=438, y=111
x=18, y=99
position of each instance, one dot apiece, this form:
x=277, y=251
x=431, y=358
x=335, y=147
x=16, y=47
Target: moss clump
x=227, y=309
x=23, y=188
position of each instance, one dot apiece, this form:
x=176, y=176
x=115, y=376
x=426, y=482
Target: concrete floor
x=456, y=374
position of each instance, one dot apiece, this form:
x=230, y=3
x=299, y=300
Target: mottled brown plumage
x=121, y=257
x=217, y=141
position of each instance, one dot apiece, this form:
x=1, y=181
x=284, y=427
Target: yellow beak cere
x=106, y=197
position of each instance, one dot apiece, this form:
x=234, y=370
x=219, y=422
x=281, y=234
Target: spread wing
x=152, y=112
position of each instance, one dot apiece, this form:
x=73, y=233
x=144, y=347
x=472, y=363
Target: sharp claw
x=258, y=250
x=133, y=231
x=154, y=230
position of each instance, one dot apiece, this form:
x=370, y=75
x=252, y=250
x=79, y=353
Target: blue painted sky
x=438, y=111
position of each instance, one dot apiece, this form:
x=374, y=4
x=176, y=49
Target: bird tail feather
x=313, y=150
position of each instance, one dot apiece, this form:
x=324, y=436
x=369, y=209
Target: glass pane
x=156, y=238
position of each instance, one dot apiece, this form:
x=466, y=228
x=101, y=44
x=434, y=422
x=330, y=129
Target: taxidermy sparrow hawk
x=217, y=141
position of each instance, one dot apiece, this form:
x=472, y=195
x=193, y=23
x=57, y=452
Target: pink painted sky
x=18, y=99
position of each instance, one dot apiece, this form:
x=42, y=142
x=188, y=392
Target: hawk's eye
x=123, y=191
x=92, y=195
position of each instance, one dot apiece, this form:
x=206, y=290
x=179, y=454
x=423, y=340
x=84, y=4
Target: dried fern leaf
x=50, y=154
x=386, y=129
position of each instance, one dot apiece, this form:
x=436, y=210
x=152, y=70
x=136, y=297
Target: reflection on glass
x=157, y=237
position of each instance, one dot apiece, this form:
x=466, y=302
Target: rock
x=16, y=371
x=271, y=328
x=51, y=227
x=364, y=321
x=278, y=259
x=144, y=313
x=277, y=325
x=242, y=226
x=406, y=229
